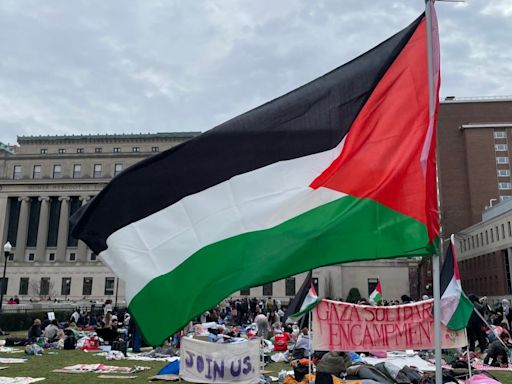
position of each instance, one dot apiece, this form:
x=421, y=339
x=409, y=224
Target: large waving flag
x=338, y=170
x=456, y=308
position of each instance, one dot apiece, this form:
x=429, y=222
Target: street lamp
x=7, y=253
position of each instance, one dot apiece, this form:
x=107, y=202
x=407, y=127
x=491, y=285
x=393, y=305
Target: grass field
x=42, y=366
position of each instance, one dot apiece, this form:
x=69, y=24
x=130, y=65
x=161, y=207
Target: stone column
x=21, y=237
x=62, y=237
x=82, y=247
x=42, y=228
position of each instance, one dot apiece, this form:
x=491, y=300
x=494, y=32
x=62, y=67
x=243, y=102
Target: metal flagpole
x=429, y=4
x=311, y=342
x=467, y=352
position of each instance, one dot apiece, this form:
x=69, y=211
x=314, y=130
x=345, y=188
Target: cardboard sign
x=205, y=362
x=51, y=316
x=341, y=326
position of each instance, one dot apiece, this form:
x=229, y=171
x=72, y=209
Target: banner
x=341, y=326
x=205, y=362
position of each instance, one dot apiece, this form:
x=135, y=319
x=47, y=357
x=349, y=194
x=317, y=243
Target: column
x=82, y=247
x=42, y=228
x=21, y=237
x=62, y=237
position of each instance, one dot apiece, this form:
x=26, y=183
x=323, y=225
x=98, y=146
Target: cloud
x=96, y=66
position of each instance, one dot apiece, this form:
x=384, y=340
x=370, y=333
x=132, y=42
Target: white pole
x=435, y=258
x=310, y=324
x=467, y=352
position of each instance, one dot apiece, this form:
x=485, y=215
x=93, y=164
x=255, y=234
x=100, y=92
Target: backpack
x=119, y=345
x=70, y=342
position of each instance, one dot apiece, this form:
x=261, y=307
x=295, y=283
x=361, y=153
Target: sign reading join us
x=205, y=362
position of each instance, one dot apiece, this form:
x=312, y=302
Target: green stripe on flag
x=347, y=229
x=460, y=317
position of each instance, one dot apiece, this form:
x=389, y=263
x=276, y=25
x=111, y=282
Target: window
x=504, y=185
x=245, y=292
x=44, y=288
x=23, y=286
x=36, y=173
x=66, y=286
x=486, y=237
x=77, y=170
x=477, y=242
x=51, y=257
x=481, y=239
x=87, y=287
x=499, y=135
x=43, y=151
x=11, y=256
x=502, y=160
x=492, y=236
x=62, y=151
x=267, y=289
x=79, y=150
x=117, y=169
x=57, y=171
x=289, y=286
x=109, y=285
x=97, y=171
x=135, y=149
x=503, y=172
x=155, y=149
x=31, y=256
x=4, y=281
x=497, y=234
x=500, y=147
x=509, y=229
x=502, y=231
x=72, y=256
x=117, y=149
x=94, y=256
x=98, y=150
x=16, y=174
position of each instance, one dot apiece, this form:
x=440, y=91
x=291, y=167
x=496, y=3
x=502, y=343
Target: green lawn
x=42, y=366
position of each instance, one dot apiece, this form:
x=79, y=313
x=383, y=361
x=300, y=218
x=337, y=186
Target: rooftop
x=475, y=99
x=120, y=136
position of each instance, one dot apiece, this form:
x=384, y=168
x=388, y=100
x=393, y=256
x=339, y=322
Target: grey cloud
x=139, y=66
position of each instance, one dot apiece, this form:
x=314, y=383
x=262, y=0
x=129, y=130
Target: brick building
x=474, y=174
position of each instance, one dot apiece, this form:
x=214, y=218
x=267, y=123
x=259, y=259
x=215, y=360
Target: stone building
x=44, y=180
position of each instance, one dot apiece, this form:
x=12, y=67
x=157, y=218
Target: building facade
x=44, y=180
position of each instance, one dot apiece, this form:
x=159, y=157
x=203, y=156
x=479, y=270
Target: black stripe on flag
x=448, y=269
x=311, y=119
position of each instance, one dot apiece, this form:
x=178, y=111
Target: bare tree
x=42, y=289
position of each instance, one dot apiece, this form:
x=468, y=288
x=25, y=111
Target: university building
x=44, y=180
x=475, y=182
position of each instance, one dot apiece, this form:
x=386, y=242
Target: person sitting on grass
x=34, y=331
x=52, y=331
x=497, y=355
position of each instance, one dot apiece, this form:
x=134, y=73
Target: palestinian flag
x=310, y=301
x=341, y=169
x=456, y=308
x=376, y=295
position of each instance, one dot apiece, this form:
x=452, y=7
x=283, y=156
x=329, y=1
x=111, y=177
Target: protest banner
x=349, y=327
x=205, y=362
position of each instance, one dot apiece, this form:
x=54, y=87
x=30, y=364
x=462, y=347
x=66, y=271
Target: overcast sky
x=74, y=67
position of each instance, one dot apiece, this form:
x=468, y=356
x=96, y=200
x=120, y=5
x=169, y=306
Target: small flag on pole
x=456, y=308
x=310, y=302
x=376, y=296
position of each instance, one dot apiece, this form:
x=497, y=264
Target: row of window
x=57, y=171
x=46, y=288
x=268, y=289
x=62, y=151
x=489, y=236
x=51, y=257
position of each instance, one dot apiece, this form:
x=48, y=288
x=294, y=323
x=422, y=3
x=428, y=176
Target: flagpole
x=311, y=342
x=435, y=258
x=467, y=352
